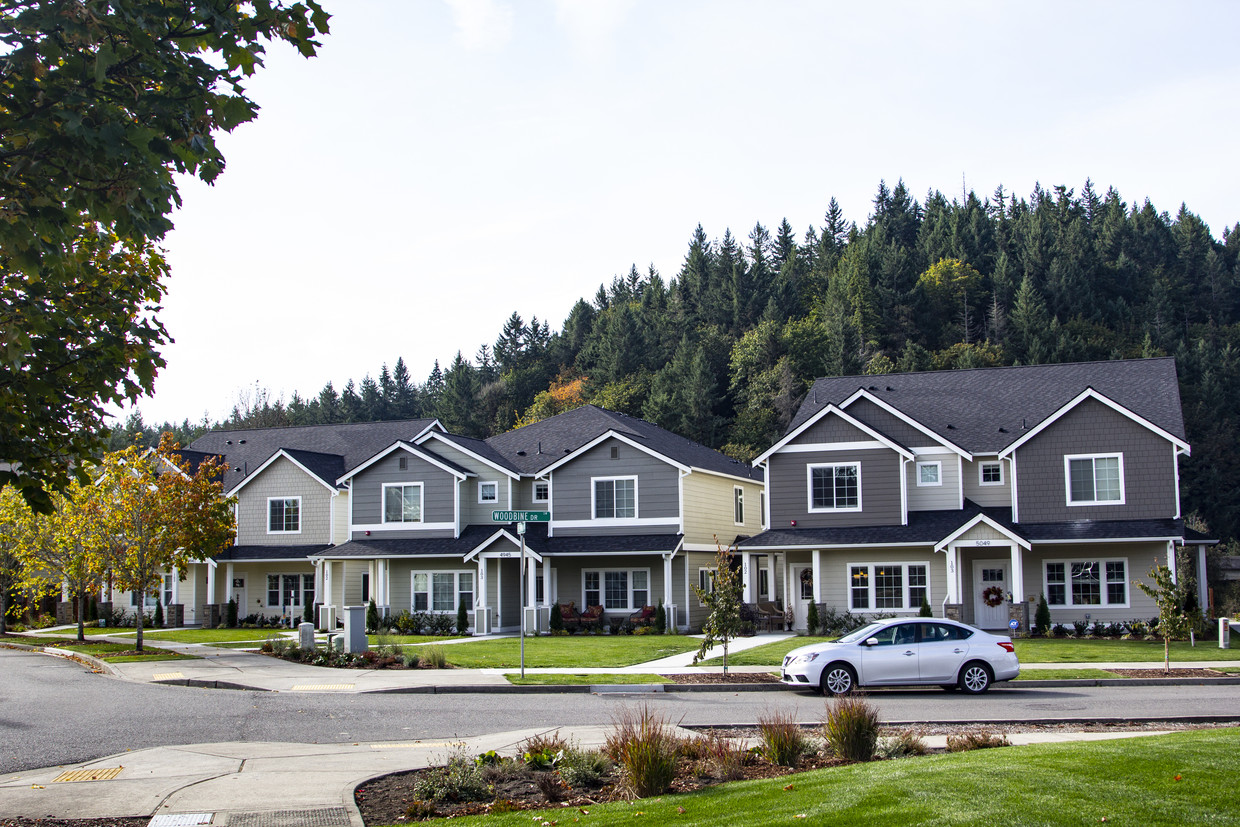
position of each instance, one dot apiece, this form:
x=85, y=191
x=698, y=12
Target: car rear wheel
x=975, y=678
x=838, y=679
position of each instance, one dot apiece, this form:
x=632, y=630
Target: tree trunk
x=1166, y=655
x=82, y=616
x=138, y=619
x=4, y=609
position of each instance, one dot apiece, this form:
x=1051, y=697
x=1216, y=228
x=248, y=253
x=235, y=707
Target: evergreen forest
x=723, y=351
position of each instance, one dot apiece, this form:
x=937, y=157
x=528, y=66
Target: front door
x=237, y=592
x=990, y=586
x=803, y=590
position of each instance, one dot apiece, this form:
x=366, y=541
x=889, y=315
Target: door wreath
x=992, y=596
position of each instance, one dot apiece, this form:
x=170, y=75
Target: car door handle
x=909, y=653
x=958, y=651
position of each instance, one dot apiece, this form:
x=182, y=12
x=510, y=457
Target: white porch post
x=667, y=580
x=328, y=598
x=176, y=585
x=1175, y=576
x=746, y=577
x=817, y=575
x=953, y=575
x=1018, y=574
x=228, y=586
x=530, y=584
x=387, y=587
x=1203, y=596
x=787, y=584
x=480, y=596
x=210, y=582
x=318, y=583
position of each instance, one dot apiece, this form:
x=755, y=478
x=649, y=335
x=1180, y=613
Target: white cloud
x=482, y=24
x=591, y=23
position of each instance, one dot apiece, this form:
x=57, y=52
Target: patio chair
x=643, y=616
x=771, y=615
x=570, y=617
x=592, y=616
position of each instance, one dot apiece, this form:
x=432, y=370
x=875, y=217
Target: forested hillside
x=724, y=351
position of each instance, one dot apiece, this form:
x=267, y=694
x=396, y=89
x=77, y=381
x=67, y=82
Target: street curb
x=86, y=660
x=199, y=683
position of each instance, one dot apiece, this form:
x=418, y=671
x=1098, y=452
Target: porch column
x=817, y=575
x=787, y=584
x=327, y=583
x=318, y=583
x=667, y=580
x=1203, y=592
x=176, y=585
x=1018, y=574
x=1175, y=575
x=480, y=596
x=953, y=575
x=387, y=587
x=530, y=584
x=228, y=586
x=746, y=577
x=210, y=582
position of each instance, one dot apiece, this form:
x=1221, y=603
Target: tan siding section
x=945, y=496
x=283, y=479
x=987, y=495
x=710, y=508
x=340, y=506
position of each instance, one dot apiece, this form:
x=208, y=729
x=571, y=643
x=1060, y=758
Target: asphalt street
x=54, y=711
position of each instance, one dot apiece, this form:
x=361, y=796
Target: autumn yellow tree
x=565, y=394
x=67, y=548
x=161, y=514
x=14, y=517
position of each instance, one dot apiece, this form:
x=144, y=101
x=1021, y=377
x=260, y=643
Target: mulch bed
x=713, y=677
x=1174, y=673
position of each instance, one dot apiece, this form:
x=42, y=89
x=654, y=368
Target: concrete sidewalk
x=278, y=785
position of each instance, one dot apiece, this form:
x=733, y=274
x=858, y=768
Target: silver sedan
x=913, y=651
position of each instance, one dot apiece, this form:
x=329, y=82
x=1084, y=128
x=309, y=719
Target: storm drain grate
x=180, y=820
x=166, y=676
x=322, y=817
x=100, y=774
x=308, y=687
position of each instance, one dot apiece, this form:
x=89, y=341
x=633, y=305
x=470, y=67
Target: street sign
x=520, y=516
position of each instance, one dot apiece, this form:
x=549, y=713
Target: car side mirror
x=871, y=641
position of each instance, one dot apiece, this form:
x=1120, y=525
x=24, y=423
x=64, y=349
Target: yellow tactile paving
x=100, y=774
x=166, y=676
x=334, y=687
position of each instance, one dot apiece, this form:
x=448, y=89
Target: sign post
x=521, y=518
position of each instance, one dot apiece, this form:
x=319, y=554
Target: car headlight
x=806, y=658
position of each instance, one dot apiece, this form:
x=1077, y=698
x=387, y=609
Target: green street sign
x=521, y=516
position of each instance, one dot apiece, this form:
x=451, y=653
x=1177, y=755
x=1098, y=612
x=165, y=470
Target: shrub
x=727, y=756
x=811, y=624
x=835, y=623
x=548, y=742
x=441, y=624
x=925, y=611
x=158, y=620
x=556, y=622
x=1138, y=629
x=583, y=768
x=1060, y=630
x=1042, y=617
x=458, y=780
x=645, y=748
x=660, y=619
x=372, y=617
x=307, y=616
x=907, y=742
x=410, y=659
x=551, y=785
x=435, y=657
x=1099, y=629
x=462, y=618
x=851, y=728
x=965, y=741
x=230, y=616
x=783, y=741
x=1080, y=627
x=420, y=811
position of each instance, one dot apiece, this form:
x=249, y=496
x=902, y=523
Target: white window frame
x=1103, y=582
x=594, y=481
x=1067, y=476
x=872, y=572
x=602, y=587
x=383, y=520
x=706, y=582
x=430, y=590
x=738, y=505
x=938, y=474
x=271, y=500
x=981, y=473
x=809, y=484
x=483, y=485
x=547, y=495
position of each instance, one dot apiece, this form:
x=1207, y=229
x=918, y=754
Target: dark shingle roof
x=327, y=467
x=533, y=447
x=470, y=538
x=236, y=554
x=985, y=409
x=479, y=447
x=246, y=449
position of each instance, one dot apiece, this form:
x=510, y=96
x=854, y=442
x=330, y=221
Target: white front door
x=803, y=593
x=237, y=592
x=989, y=575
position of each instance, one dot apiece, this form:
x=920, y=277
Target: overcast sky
x=443, y=163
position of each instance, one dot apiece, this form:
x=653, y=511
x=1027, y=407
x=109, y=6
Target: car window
x=938, y=632
x=864, y=633
x=887, y=636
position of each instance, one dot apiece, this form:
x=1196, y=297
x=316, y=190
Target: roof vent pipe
x=540, y=446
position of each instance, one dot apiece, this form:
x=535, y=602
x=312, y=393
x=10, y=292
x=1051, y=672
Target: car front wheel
x=975, y=678
x=838, y=679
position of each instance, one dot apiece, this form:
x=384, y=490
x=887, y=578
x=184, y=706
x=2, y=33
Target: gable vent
x=402, y=463
x=615, y=452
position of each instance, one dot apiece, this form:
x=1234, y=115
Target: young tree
x=104, y=105
x=1168, y=595
x=723, y=605
x=161, y=515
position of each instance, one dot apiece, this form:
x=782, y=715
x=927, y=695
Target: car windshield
x=862, y=633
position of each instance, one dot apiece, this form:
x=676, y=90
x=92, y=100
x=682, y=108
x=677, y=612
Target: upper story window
x=615, y=498
x=835, y=487
x=402, y=502
x=990, y=473
x=1095, y=479
x=929, y=473
x=283, y=515
x=738, y=505
x=488, y=492
x=542, y=492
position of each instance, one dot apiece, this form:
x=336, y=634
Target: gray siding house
x=977, y=491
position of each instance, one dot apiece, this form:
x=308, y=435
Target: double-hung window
x=835, y=487
x=542, y=491
x=402, y=502
x=929, y=473
x=738, y=505
x=615, y=499
x=890, y=587
x=616, y=589
x=1087, y=583
x=442, y=591
x=283, y=515
x=990, y=473
x=1095, y=480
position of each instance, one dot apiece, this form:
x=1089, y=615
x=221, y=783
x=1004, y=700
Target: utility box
x=482, y=620
x=355, y=629
x=1224, y=633
x=305, y=636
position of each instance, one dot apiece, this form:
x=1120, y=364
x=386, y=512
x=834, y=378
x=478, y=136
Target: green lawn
x=110, y=651
x=1124, y=782
x=578, y=650
x=579, y=680
x=407, y=640
x=769, y=654
x=214, y=635
x=1065, y=675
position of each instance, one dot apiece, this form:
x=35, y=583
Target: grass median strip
x=1166, y=779
x=567, y=652
x=1067, y=675
x=544, y=679
x=119, y=652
